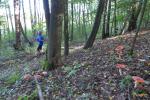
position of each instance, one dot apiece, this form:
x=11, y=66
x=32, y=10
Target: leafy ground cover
x=86, y=75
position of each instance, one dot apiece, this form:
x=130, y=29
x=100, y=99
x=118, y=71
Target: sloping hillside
x=92, y=74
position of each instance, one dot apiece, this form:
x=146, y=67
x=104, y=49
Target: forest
x=74, y=49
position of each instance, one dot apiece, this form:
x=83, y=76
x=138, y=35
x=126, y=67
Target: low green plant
x=44, y=64
x=125, y=82
x=140, y=93
x=13, y=78
x=23, y=98
x=71, y=70
x=32, y=96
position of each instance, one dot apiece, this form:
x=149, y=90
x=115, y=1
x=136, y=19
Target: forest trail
x=86, y=73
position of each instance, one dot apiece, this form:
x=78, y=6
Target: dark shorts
x=39, y=47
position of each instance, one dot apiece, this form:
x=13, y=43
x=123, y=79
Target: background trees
x=81, y=21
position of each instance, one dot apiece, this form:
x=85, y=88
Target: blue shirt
x=40, y=39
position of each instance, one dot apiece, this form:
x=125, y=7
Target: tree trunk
x=8, y=29
x=79, y=22
x=84, y=26
x=24, y=18
x=54, y=37
x=10, y=17
x=31, y=16
x=66, y=34
x=104, y=20
x=25, y=35
x=139, y=25
x=96, y=25
x=17, y=24
x=108, y=19
x=47, y=17
x=47, y=14
x=0, y=37
x=115, y=20
x=134, y=15
x=72, y=25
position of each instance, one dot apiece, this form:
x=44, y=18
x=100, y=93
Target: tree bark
x=66, y=34
x=108, y=19
x=104, y=20
x=10, y=17
x=54, y=37
x=72, y=25
x=47, y=14
x=96, y=25
x=24, y=18
x=84, y=26
x=0, y=37
x=8, y=28
x=47, y=17
x=115, y=20
x=134, y=15
x=17, y=24
x=25, y=35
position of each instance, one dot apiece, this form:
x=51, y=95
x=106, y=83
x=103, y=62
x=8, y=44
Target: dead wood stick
x=39, y=89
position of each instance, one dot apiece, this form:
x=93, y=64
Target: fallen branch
x=39, y=89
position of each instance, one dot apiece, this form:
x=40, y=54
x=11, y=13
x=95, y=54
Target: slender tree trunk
x=88, y=16
x=35, y=18
x=115, y=21
x=17, y=24
x=31, y=16
x=148, y=20
x=91, y=14
x=108, y=19
x=134, y=15
x=47, y=14
x=104, y=20
x=84, y=22
x=7, y=19
x=10, y=17
x=84, y=26
x=47, y=17
x=96, y=25
x=0, y=37
x=139, y=25
x=79, y=22
x=54, y=37
x=35, y=14
x=24, y=18
x=66, y=34
x=25, y=35
x=72, y=19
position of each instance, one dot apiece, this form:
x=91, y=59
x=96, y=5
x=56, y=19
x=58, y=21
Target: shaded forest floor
x=86, y=75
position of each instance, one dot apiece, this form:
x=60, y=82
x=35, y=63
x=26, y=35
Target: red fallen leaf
x=27, y=77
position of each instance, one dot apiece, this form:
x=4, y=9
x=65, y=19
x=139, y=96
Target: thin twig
x=39, y=89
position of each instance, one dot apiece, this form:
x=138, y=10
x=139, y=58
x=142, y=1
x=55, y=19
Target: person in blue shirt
x=40, y=40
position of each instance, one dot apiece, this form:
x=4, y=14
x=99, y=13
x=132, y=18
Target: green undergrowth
x=71, y=70
x=32, y=96
x=13, y=78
